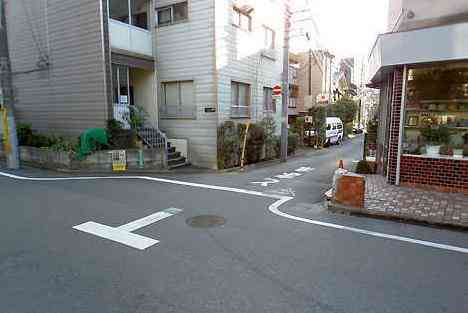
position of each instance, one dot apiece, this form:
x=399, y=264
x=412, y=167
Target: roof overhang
x=435, y=44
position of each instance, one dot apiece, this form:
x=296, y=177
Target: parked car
x=358, y=128
x=334, y=132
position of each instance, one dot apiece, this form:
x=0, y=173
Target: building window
x=269, y=105
x=269, y=38
x=177, y=100
x=436, y=111
x=119, y=10
x=240, y=100
x=241, y=19
x=133, y=12
x=139, y=13
x=172, y=14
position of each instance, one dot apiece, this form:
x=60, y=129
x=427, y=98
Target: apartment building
x=77, y=64
x=190, y=64
x=219, y=64
x=421, y=69
x=314, y=80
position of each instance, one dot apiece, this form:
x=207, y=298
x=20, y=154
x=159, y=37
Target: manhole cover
x=205, y=221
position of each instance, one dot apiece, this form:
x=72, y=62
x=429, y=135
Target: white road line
x=148, y=220
x=161, y=180
x=274, y=208
x=116, y=234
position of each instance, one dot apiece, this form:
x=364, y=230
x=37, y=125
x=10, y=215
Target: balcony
x=130, y=38
x=241, y=111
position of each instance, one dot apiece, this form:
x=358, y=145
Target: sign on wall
x=119, y=160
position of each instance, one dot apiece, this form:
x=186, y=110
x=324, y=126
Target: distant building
x=314, y=80
x=346, y=79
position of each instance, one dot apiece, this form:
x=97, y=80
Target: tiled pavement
x=414, y=204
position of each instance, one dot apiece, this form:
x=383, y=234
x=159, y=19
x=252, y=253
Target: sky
x=347, y=28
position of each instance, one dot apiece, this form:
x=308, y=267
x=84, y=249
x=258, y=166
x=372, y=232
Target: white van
x=334, y=132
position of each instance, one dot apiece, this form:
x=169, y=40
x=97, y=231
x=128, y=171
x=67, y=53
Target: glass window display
x=436, y=111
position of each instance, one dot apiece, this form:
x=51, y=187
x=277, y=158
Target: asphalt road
x=256, y=262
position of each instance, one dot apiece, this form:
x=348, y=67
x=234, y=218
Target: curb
x=347, y=210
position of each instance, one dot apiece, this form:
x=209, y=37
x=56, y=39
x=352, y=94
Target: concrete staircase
x=154, y=138
x=174, y=158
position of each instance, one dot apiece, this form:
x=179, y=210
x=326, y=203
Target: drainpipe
x=310, y=72
x=402, y=116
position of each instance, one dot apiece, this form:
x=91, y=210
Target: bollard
x=141, y=159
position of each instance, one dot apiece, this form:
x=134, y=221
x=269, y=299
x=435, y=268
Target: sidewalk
x=414, y=204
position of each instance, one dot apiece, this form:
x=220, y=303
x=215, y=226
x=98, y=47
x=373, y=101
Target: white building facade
x=217, y=61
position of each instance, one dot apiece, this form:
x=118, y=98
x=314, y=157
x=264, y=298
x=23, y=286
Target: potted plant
x=434, y=137
x=458, y=151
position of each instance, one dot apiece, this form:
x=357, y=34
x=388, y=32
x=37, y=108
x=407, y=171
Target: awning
x=435, y=44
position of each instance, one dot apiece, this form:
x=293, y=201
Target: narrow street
x=253, y=261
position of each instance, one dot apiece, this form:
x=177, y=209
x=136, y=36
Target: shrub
x=228, y=145
x=138, y=117
x=63, y=145
x=293, y=142
x=120, y=138
x=269, y=127
x=348, y=129
x=255, y=142
x=24, y=133
x=363, y=167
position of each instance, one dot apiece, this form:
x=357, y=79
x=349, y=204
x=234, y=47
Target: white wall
x=185, y=51
x=238, y=54
x=144, y=92
x=418, y=46
x=426, y=12
x=212, y=52
x=394, y=10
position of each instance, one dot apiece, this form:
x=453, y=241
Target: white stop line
x=273, y=208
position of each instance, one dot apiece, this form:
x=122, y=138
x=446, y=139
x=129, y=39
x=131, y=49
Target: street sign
x=119, y=160
x=323, y=98
x=276, y=90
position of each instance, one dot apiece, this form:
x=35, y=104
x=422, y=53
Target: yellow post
x=6, y=132
x=243, y=146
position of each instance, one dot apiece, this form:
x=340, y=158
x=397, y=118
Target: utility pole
x=6, y=96
x=285, y=97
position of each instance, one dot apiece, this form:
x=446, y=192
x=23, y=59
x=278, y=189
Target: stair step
x=175, y=162
x=173, y=155
x=171, y=167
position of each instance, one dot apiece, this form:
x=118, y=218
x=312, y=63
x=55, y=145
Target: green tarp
x=89, y=140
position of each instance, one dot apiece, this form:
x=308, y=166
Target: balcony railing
x=241, y=111
x=130, y=38
x=122, y=114
x=178, y=111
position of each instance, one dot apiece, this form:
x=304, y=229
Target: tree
x=345, y=108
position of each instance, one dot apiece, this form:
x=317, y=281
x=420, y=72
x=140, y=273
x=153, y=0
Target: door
x=121, y=94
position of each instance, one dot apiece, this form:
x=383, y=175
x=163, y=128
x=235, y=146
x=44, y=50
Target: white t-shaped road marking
x=123, y=234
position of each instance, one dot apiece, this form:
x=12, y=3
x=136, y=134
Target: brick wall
x=447, y=175
x=395, y=125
